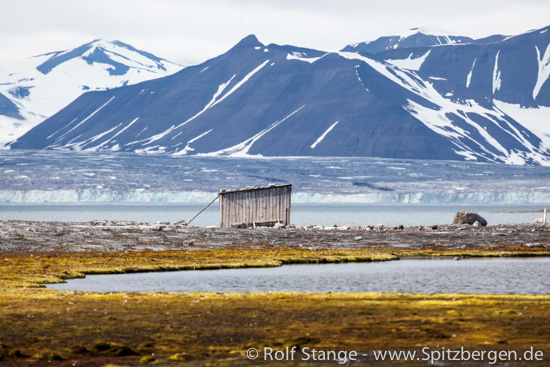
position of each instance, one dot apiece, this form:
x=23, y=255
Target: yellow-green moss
x=202, y=328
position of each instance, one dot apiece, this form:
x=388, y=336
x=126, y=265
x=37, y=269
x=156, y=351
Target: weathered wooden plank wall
x=257, y=205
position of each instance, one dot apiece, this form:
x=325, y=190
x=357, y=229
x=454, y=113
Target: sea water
x=301, y=214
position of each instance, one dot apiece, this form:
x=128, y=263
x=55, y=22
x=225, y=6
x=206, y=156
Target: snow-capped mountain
x=35, y=88
x=415, y=37
x=483, y=102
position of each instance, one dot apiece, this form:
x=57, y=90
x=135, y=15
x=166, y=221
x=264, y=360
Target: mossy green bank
x=40, y=326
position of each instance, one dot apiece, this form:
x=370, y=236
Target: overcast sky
x=190, y=32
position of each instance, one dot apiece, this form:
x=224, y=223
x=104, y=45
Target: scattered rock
x=239, y=226
x=400, y=245
x=85, y=237
x=124, y=223
x=465, y=217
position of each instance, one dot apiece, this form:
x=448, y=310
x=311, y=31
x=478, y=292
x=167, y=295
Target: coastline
x=17, y=236
x=42, y=326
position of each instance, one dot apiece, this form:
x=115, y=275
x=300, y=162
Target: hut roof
x=253, y=188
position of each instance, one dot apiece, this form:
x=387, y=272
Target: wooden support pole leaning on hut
x=203, y=209
x=255, y=207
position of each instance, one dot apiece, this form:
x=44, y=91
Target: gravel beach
x=109, y=236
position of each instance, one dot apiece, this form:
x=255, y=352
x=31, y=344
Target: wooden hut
x=256, y=206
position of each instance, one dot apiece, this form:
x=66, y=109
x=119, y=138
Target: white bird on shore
x=541, y=220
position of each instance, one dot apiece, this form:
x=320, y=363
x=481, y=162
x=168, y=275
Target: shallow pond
x=490, y=276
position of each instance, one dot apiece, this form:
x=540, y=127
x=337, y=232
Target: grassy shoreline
x=23, y=270
x=40, y=325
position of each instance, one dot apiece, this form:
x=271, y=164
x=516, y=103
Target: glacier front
x=86, y=177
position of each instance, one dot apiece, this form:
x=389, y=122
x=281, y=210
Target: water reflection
x=491, y=276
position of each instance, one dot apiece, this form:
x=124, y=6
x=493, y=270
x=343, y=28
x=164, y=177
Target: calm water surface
x=491, y=276
x=302, y=214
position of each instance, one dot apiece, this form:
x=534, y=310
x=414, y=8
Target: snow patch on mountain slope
x=40, y=91
x=439, y=119
x=544, y=70
x=415, y=37
x=99, y=136
x=214, y=101
x=322, y=137
x=533, y=119
x=188, y=148
x=410, y=63
x=11, y=128
x=241, y=150
x=469, y=77
x=119, y=52
x=496, y=75
x=111, y=139
x=301, y=57
x=429, y=31
x=87, y=118
x=242, y=81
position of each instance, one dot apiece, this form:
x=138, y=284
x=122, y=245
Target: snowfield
x=42, y=85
